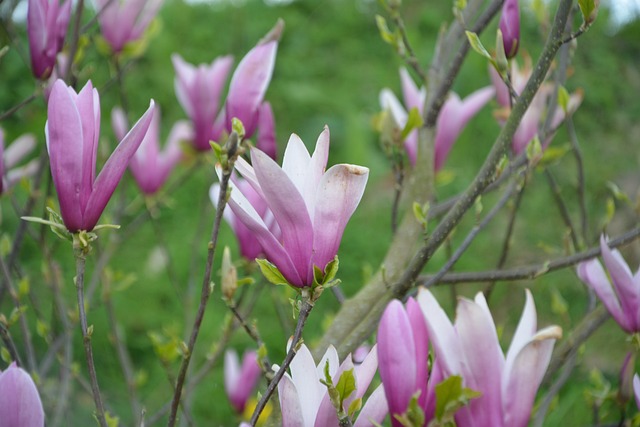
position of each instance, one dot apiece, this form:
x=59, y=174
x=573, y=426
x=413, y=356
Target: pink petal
x=338, y=195
x=310, y=390
x=266, y=140
x=623, y=282
x=374, y=410
x=525, y=330
x=413, y=97
x=18, y=150
x=636, y=389
x=20, y=405
x=290, y=406
x=421, y=341
x=113, y=170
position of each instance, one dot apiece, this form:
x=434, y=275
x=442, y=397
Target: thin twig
x=577, y=153
x=5, y=335
x=232, y=147
x=15, y=108
x=86, y=337
x=73, y=43
x=307, y=305
x=562, y=207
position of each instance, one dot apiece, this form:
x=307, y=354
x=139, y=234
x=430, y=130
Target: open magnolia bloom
x=125, y=21
x=535, y=114
x=20, y=404
x=311, y=206
x=305, y=402
x=470, y=348
x=453, y=117
x=73, y=131
x=621, y=295
x=151, y=166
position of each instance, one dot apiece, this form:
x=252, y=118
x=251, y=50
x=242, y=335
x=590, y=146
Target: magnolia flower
x=239, y=382
x=9, y=158
x=470, y=348
x=266, y=139
x=199, y=89
x=124, y=21
x=621, y=295
x=47, y=22
x=453, y=117
x=403, y=350
x=510, y=27
x=305, y=402
x=150, y=166
x=528, y=127
x=248, y=244
x=311, y=207
x=72, y=131
x=20, y=404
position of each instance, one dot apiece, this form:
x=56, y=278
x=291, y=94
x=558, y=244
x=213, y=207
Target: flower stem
x=307, y=305
x=86, y=337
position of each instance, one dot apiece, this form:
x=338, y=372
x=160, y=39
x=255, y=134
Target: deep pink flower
x=72, y=131
x=20, y=404
x=621, y=295
x=510, y=27
x=124, y=21
x=453, y=117
x=198, y=89
x=9, y=158
x=470, y=348
x=240, y=381
x=304, y=401
x=528, y=128
x=151, y=166
x=403, y=350
x=311, y=207
x=47, y=22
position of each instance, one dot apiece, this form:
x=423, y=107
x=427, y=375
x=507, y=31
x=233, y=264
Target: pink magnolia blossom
x=304, y=400
x=47, y=22
x=528, y=128
x=621, y=294
x=248, y=243
x=10, y=157
x=151, y=166
x=240, y=381
x=20, y=404
x=72, y=131
x=199, y=90
x=453, y=117
x=311, y=207
x=124, y=21
x=636, y=389
x=470, y=348
x=510, y=27
x=403, y=350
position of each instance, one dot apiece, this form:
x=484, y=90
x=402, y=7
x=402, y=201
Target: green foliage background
x=331, y=66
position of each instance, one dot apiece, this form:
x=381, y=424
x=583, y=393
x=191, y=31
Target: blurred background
x=330, y=68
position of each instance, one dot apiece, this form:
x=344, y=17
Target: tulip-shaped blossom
x=510, y=27
x=305, y=402
x=20, y=404
x=151, y=166
x=199, y=88
x=403, y=350
x=470, y=348
x=72, y=131
x=9, y=158
x=311, y=207
x=47, y=22
x=453, y=117
x=125, y=21
x=621, y=295
x=528, y=127
x=239, y=381
x=248, y=244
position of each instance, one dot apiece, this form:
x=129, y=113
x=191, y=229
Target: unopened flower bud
x=510, y=27
x=229, y=275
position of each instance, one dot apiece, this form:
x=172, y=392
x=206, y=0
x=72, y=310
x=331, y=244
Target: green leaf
x=331, y=270
x=385, y=33
x=346, y=385
x=5, y=355
x=271, y=272
x=414, y=121
x=420, y=212
x=112, y=421
x=451, y=396
x=354, y=406
x=553, y=154
x=476, y=45
x=460, y=5
x=23, y=286
x=617, y=193
x=238, y=127
x=558, y=303
x=563, y=98
x=589, y=9
x=5, y=245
